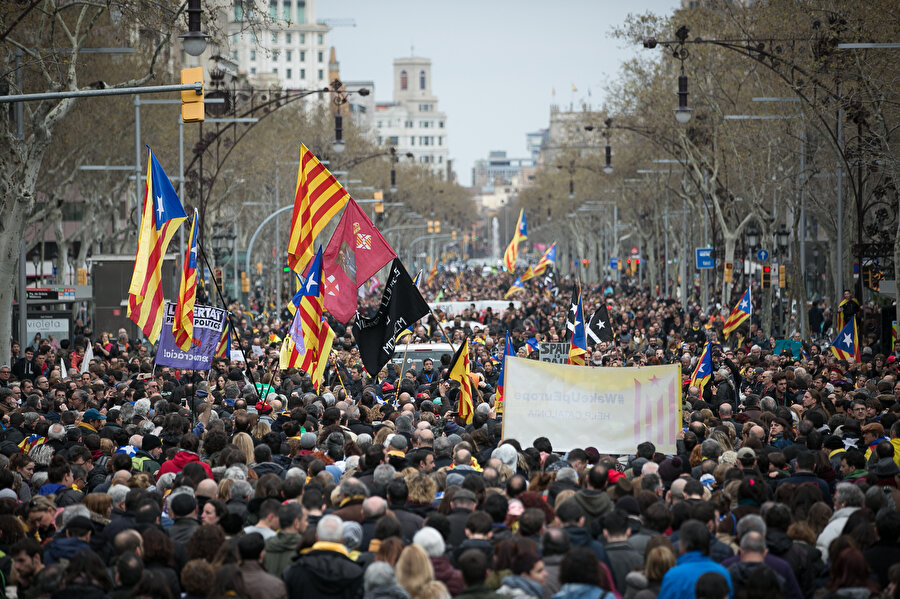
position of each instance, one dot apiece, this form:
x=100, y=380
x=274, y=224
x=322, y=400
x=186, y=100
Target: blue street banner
x=209, y=322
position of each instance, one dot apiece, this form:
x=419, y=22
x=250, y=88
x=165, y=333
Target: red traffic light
x=637, y=260
x=767, y=269
x=628, y=261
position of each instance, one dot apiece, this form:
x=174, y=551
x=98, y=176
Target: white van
x=416, y=354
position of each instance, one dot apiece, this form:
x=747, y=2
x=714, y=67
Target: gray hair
x=849, y=495
x=378, y=574
x=751, y=523
x=431, y=541
x=241, y=489
x=126, y=410
x=753, y=542
x=404, y=424
x=374, y=506
x=117, y=493
x=384, y=473
x=483, y=409
x=767, y=404
x=330, y=529
x=142, y=407
x=507, y=454
x=146, y=428
x=56, y=432
x=295, y=472
x=79, y=509
x=364, y=441
x=351, y=464
x=165, y=481
x=711, y=449
x=31, y=418
x=38, y=478
x=351, y=486
x=236, y=471
x=442, y=447
x=567, y=474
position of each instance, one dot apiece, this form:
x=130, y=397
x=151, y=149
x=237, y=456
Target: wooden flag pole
x=338, y=373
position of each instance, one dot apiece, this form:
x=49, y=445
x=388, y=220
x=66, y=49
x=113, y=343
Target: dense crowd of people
x=123, y=478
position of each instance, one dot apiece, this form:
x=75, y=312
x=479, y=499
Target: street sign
x=557, y=353
x=762, y=255
x=705, y=258
x=614, y=264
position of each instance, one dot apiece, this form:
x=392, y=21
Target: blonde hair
x=261, y=430
x=416, y=574
x=98, y=503
x=224, y=489
x=244, y=442
x=660, y=560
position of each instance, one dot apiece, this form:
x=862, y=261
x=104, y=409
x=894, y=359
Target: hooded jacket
x=63, y=548
x=325, y=572
x=179, y=461
x=594, y=503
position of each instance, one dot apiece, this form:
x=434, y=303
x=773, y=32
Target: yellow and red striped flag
x=512, y=250
x=223, y=349
x=318, y=198
x=546, y=261
x=183, y=324
x=459, y=371
x=432, y=274
x=161, y=216
x=739, y=314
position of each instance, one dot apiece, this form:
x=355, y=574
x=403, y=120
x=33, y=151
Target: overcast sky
x=495, y=63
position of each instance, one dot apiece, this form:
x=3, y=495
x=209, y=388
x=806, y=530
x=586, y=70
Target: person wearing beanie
x=397, y=452
x=146, y=459
x=76, y=537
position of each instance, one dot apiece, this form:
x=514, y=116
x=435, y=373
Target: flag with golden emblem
x=161, y=215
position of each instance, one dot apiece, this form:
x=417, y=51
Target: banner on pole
x=555, y=353
x=612, y=409
x=209, y=322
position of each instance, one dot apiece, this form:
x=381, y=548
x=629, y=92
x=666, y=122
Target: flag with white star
x=703, y=373
x=599, y=326
x=741, y=312
x=846, y=345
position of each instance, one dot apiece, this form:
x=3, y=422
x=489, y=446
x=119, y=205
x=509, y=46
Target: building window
x=302, y=56
x=253, y=70
x=408, y=124
x=234, y=55
x=274, y=55
x=275, y=71
x=440, y=159
x=273, y=9
x=403, y=80
x=287, y=38
x=380, y=139
x=302, y=37
x=301, y=14
x=440, y=140
x=288, y=55
x=286, y=11
x=412, y=140
x=321, y=74
x=378, y=125
x=289, y=74
x=238, y=10
x=321, y=56
x=441, y=124
x=303, y=73
x=421, y=79
x=321, y=39
x=252, y=54
x=274, y=38
x=393, y=140
x=253, y=38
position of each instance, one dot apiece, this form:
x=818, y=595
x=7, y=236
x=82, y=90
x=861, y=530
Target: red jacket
x=179, y=461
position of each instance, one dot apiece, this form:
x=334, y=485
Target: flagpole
x=403, y=363
x=227, y=312
x=444, y=333
x=338, y=373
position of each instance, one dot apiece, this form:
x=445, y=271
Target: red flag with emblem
x=355, y=253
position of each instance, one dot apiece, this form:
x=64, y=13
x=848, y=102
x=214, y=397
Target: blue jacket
x=679, y=582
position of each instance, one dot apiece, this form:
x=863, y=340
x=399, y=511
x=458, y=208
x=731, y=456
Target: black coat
x=322, y=574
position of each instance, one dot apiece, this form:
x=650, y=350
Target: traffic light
x=192, y=108
x=782, y=276
x=433, y=226
x=379, y=205
x=286, y=268
x=767, y=277
x=259, y=268
x=218, y=275
x=437, y=226
x=82, y=276
x=245, y=283
x=429, y=226
x=585, y=262
x=453, y=235
x=729, y=272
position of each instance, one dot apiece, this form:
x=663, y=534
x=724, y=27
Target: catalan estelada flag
x=512, y=250
x=578, y=344
x=223, y=349
x=741, y=312
x=508, y=350
x=161, y=216
x=527, y=275
x=318, y=198
x=516, y=287
x=459, y=371
x=531, y=345
x=703, y=372
x=308, y=324
x=846, y=345
x=183, y=324
x=432, y=273
x=546, y=261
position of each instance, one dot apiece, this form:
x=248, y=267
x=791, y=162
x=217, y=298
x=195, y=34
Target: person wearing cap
x=183, y=509
x=146, y=459
x=873, y=434
x=462, y=504
x=91, y=420
x=76, y=537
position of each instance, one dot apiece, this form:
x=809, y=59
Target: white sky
x=494, y=62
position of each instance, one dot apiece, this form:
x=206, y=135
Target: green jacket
x=144, y=462
x=280, y=550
